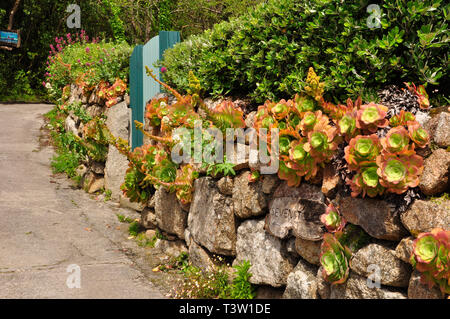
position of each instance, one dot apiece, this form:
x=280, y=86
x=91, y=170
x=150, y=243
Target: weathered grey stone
x=118, y=120
x=441, y=133
x=375, y=216
x=423, y=216
x=356, y=288
x=435, y=176
x=97, y=167
x=93, y=183
x=250, y=119
x=93, y=98
x=323, y=286
x=199, y=257
x=115, y=170
x=290, y=247
x=148, y=219
x=330, y=181
x=171, y=248
x=151, y=202
x=187, y=237
x=270, y=262
x=211, y=218
x=150, y=234
x=268, y=292
x=301, y=282
x=404, y=249
x=418, y=290
x=296, y=210
x=225, y=185
x=393, y=271
x=309, y=250
x=248, y=198
x=70, y=125
x=94, y=110
x=126, y=203
x=169, y=215
x=81, y=170
x=269, y=183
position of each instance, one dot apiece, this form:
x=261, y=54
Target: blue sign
x=9, y=38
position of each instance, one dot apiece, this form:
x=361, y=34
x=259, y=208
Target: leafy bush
x=265, y=53
x=77, y=59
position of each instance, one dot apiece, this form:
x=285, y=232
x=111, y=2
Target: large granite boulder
x=270, y=262
x=296, y=211
x=375, y=216
x=211, y=218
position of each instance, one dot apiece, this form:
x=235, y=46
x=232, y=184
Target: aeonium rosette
x=398, y=172
x=334, y=259
x=362, y=151
x=300, y=160
x=322, y=140
x=372, y=116
x=367, y=182
x=396, y=140
x=332, y=219
x=431, y=257
x=418, y=134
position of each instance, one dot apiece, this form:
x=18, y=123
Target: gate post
x=142, y=87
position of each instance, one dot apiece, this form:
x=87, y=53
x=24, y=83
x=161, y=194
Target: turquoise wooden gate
x=143, y=87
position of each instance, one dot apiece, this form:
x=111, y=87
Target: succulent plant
x=300, y=160
x=334, y=259
x=401, y=119
x=321, y=142
x=347, y=125
x=367, y=182
x=332, y=219
x=418, y=134
x=396, y=140
x=362, y=151
x=431, y=257
x=304, y=103
x=421, y=94
x=372, y=116
x=399, y=172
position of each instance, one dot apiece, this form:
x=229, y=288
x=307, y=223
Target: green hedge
x=266, y=53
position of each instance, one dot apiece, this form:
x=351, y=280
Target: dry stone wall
x=278, y=229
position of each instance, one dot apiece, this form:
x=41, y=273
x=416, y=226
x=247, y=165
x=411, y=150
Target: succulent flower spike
x=372, y=116
x=431, y=256
x=422, y=95
x=362, y=151
x=396, y=140
x=332, y=220
x=418, y=134
x=366, y=182
x=314, y=87
x=398, y=172
x=334, y=259
x=401, y=119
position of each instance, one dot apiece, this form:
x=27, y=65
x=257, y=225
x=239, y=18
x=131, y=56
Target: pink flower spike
x=87, y=50
x=163, y=69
